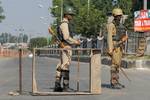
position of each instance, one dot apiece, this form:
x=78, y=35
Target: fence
x=133, y=42
x=131, y=45
x=12, y=52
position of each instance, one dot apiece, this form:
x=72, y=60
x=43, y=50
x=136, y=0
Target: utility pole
x=62, y=2
x=145, y=4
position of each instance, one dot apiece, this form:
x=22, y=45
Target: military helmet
x=117, y=11
x=69, y=10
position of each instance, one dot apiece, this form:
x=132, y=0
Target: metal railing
x=131, y=45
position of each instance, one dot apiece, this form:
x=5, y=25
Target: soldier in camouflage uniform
x=116, y=37
x=62, y=69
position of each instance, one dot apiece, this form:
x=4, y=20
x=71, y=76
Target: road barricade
x=90, y=76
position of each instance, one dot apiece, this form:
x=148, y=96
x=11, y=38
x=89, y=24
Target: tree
x=137, y=5
x=20, y=38
x=4, y=37
x=148, y=4
x=38, y=42
x=2, y=17
x=106, y=6
x=90, y=22
x=13, y=39
x=25, y=38
x=8, y=37
x=86, y=23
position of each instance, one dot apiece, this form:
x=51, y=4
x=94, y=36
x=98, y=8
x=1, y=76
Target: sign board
x=142, y=20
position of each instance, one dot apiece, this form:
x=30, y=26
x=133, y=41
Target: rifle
x=58, y=41
x=125, y=74
x=123, y=39
x=120, y=68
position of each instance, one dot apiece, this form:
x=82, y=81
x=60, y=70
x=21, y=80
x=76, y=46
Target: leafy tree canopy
x=2, y=17
x=38, y=42
x=89, y=19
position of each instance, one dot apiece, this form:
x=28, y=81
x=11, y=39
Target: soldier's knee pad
x=65, y=74
x=113, y=70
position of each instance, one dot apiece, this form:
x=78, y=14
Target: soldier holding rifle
x=65, y=41
x=116, y=37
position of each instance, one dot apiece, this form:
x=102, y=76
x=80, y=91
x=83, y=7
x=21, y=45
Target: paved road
x=137, y=89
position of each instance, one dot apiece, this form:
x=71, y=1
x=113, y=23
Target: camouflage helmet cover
x=117, y=11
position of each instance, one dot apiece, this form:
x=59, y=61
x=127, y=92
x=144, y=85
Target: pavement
x=137, y=89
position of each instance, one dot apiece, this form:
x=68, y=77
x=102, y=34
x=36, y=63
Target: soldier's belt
x=116, y=40
x=63, y=44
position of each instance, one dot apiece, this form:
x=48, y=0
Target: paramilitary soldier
x=64, y=34
x=116, y=37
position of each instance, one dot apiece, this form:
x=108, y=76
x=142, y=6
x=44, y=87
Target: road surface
x=137, y=89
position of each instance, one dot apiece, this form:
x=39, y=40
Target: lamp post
x=145, y=4
x=62, y=2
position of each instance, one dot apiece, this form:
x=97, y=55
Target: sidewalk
x=129, y=63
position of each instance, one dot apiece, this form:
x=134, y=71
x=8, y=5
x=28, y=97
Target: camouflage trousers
x=62, y=69
x=116, y=62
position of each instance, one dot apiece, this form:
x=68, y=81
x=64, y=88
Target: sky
x=30, y=17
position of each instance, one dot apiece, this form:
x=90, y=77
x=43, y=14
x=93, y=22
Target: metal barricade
x=91, y=77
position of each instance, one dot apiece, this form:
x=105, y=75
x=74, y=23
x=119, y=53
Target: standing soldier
x=116, y=37
x=64, y=34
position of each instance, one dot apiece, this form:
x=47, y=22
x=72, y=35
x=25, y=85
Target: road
x=137, y=89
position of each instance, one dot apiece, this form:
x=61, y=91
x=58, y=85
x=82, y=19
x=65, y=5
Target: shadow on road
x=103, y=85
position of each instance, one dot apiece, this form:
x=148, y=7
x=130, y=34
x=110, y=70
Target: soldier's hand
x=124, y=38
x=77, y=42
x=50, y=30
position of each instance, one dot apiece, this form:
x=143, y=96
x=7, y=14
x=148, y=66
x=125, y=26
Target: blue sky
x=32, y=16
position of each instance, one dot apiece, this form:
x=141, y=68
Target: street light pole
x=145, y=4
x=62, y=1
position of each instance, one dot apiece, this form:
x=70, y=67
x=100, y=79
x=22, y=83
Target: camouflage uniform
x=115, y=51
x=62, y=69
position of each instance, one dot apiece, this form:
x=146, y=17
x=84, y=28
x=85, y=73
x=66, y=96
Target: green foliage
x=25, y=38
x=7, y=37
x=4, y=37
x=89, y=22
x=137, y=5
x=22, y=38
x=2, y=17
x=38, y=42
x=13, y=39
x=126, y=6
x=148, y=5
x=106, y=7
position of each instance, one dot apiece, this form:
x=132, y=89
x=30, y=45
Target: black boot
x=57, y=87
x=117, y=86
x=65, y=74
x=67, y=89
x=121, y=85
